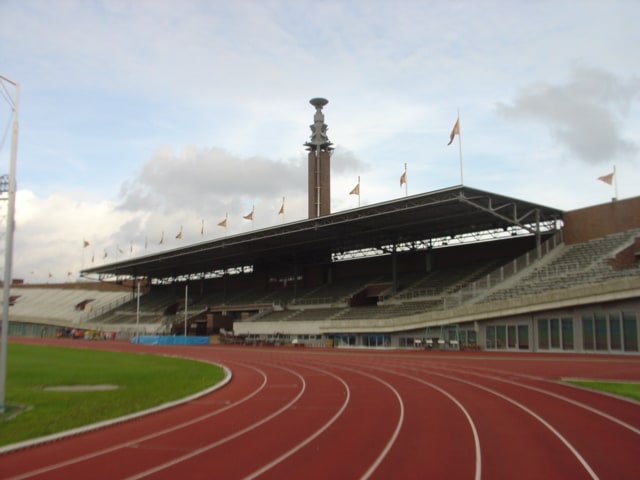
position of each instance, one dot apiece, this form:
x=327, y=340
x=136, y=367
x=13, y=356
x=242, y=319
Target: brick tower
x=320, y=149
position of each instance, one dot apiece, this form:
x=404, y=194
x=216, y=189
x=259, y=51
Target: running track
x=340, y=414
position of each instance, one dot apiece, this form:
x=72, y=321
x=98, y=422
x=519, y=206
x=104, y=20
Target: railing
x=93, y=313
x=313, y=301
x=482, y=285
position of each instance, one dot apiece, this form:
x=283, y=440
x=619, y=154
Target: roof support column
x=538, y=241
x=394, y=268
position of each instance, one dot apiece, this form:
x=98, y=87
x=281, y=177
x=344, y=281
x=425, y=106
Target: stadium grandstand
x=456, y=268
x=450, y=269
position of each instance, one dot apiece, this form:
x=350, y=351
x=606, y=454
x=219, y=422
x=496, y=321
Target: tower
x=320, y=149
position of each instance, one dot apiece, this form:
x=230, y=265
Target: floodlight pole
x=8, y=250
x=138, y=313
x=186, y=298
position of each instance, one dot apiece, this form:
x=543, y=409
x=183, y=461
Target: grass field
x=630, y=390
x=143, y=381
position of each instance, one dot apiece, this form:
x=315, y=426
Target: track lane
x=433, y=439
x=578, y=415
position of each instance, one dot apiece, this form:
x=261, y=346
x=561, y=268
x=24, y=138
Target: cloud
x=585, y=115
x=201, y=179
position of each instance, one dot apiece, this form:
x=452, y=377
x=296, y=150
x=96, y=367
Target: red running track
x=342, y=414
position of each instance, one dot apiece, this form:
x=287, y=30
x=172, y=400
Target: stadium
x=455, y=268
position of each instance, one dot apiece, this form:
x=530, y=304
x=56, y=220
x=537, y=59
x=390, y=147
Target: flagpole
x=615, y=183
x=406, y=183
x=358, y=191
x=460, y=148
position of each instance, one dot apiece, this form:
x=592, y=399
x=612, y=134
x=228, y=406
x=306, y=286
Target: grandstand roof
x=438, y=214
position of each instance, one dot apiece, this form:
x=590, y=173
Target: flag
x=161, y=239
x=455, y=131
x=223, y=223
x=608, y=179
x=403, y=178
x=249, y=216
x=281, y=211
x=105, y=253
x=202, y=228
x=119, y=249
x=179, y=234
x=356, y=190
x=85, y=243
x=93, y=256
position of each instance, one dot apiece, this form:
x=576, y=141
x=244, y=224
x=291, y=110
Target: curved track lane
x=317, y=414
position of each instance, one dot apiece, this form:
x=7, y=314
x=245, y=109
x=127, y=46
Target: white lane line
x=571, y=448
x=396, y=432
x=228, y=438
x=312, y=437
x=564, y=398
x=130, y=443
x=476, y=438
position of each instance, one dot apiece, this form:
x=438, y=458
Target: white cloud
x=174, y=112
x=586, y=115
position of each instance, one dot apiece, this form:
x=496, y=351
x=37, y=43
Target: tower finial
x=319, y=139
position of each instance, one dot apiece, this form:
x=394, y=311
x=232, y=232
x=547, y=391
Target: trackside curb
x=125, y=418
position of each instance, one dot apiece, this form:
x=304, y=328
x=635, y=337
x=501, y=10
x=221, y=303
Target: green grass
x=144, y=381
x=630, y=390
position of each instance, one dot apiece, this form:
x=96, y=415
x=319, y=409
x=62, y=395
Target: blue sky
x=144, y=117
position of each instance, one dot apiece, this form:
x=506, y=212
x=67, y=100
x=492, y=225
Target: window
x=543, y=334
x=630, y=331
x=501, y=334
x=587, y=332
x=601, y=331
x=491, y=336
x=511, y=336
x=554, y=333
x=615, y=332
x=567, y=334
x=523, y=337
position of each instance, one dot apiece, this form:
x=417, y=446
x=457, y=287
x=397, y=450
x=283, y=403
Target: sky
x=144, y=119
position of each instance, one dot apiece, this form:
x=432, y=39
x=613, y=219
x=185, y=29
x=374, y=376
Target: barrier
x=170, y=340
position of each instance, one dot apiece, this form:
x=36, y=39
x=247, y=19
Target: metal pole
x=186, y=297
x=138, y=313
x=8, y=252
x=460, y=148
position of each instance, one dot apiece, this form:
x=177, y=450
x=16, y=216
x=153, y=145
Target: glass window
x=601, y=331
x=630, y=331
x=543, y=334
x=501, y=334
x=523, y=337
x=615, y=332
x=491, y=336
x=554, y=332
x=511, y=336
x=567, y=334
x=587, y=332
